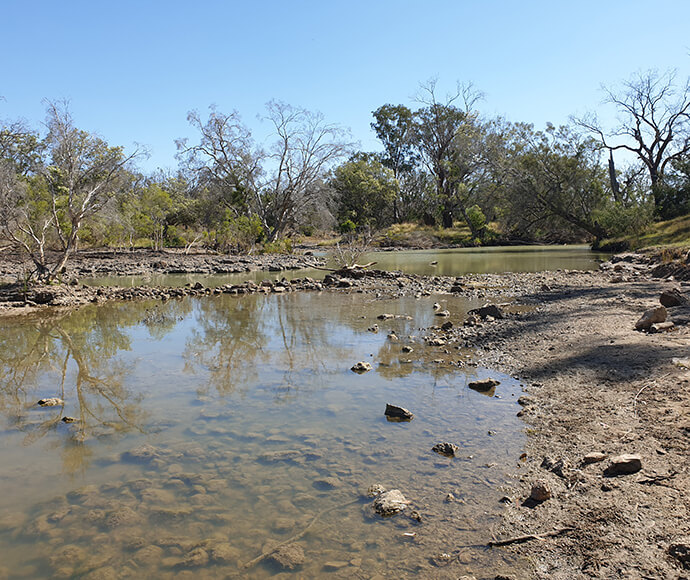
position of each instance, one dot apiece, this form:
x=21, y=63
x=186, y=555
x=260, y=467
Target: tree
x=83, y=173
x=366, y=190
x=553, y=177
x=395, y=127
x=305, y=148
x=449, y=139
x=654, y=123
x=274, y=184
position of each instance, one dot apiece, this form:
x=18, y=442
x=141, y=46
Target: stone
x=487, y=310
x=484, y=385
x=436, y=342
x=68, y=420
x=673, y=297
x=594, y=457
x=141, y=454
x=407, y=348
x=652, y=316
x=541, y=490
x=288, y=557
x=399, y=413
x=334, y=565
x=375, y=489
x=51, y=402
x=224, y=553
x=361, y=367
x=681, y=551
x=662, y=327
x=195, y=558
x=624, y=465
x=390, y=503
x=447, y=326
x=447, y=449
x=442, y=313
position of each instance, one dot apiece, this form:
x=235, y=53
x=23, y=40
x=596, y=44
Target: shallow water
x=459, y=261
x=208, y=430
x=450, y=262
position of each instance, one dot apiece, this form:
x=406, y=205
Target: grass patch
x=673, y=233
x=410, y=235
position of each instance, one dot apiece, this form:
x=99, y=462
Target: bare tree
x=654, y=122
x=275, y=184
x=83, y=174
x=305, y=148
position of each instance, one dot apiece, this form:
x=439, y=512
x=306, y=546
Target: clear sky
x=132, y=69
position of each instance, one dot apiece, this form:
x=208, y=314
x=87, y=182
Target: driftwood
x=345, y=269
x=298, y=536
x=528, y=537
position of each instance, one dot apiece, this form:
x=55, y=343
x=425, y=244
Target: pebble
x=541, y=490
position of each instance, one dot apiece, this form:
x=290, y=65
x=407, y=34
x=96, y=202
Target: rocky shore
x=604, y=481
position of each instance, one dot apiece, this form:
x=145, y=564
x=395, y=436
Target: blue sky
x=133, y=69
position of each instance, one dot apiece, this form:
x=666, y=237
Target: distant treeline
x=442, y=163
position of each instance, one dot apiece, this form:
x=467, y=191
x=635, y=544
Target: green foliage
x=347, y=227
x=476, y=218
x=282, y=246
x=367, y=190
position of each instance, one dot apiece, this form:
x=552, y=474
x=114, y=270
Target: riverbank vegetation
x=446, y=175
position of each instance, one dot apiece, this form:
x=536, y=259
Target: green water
x=453, y=262
x=209, y=430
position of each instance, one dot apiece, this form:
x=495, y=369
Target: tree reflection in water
x=75, y=356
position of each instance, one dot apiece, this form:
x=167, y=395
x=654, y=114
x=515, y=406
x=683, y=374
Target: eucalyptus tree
x=449, y=136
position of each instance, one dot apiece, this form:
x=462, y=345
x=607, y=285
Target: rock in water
x=390, y=503
x=289, y=557
x=541, y=491
x=361, y=367
x=624, y=465
x=399, y=413
x=484, y=385
x=488, y=310
x=650, y=317
x=51, y=402
x=447, y=449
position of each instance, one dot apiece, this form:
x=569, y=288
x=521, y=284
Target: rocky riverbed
x=596, y=388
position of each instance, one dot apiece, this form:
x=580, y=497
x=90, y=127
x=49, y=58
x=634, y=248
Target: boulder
x=652, y=316
x=447, y=449
x=361, y=367
x=624, y=465
x=398, y=413
x=390, y=503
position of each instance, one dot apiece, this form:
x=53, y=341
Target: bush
x=347, y=227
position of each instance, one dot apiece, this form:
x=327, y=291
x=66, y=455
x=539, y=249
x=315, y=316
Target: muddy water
x=207, y=431
x=458, y=261
x=450, y=262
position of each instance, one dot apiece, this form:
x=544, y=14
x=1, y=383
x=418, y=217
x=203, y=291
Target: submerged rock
x=390, y=503
x=399, y=413
x=375, y=489
x=288, y=557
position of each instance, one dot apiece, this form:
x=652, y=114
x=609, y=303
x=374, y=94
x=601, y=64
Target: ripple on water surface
x=209, y=431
